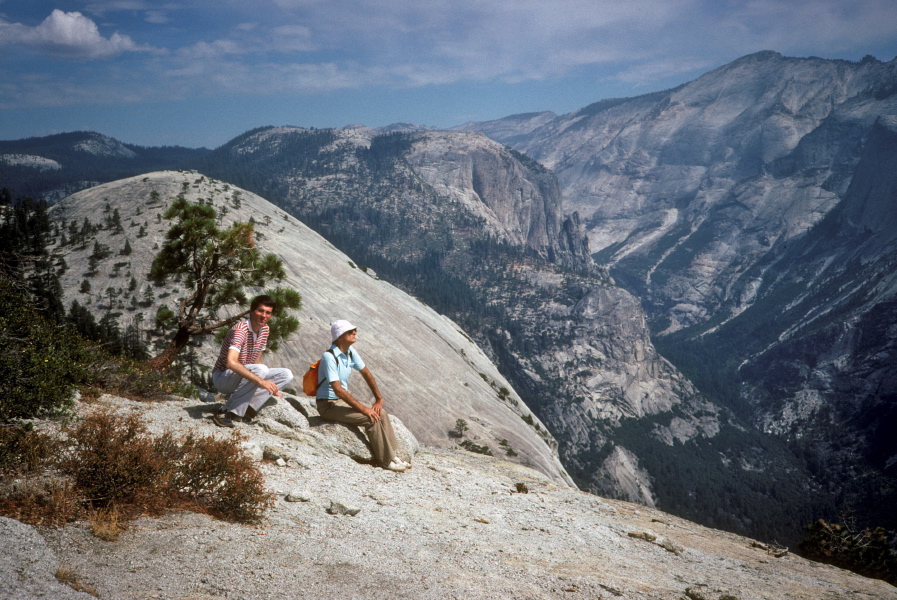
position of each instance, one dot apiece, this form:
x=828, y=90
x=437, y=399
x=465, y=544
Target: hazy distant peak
x=30, y=160
x=403, y=127
x=101, y=145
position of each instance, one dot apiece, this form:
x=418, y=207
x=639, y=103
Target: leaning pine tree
x=216, y=265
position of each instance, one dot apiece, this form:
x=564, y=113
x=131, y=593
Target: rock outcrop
x=455, y=525
x=429, y=370
x=479, y=232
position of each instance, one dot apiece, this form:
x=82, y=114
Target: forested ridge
x=80, y=168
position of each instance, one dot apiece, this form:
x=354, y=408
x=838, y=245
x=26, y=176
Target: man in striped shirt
x=239, y=371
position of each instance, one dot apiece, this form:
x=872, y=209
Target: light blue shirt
x=337, y=367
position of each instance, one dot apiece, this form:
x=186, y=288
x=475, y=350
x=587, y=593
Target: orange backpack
x=310, y=383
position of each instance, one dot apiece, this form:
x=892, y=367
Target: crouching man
x=239, y=371
x=335, y=403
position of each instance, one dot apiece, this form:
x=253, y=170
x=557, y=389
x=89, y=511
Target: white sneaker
x=402, y=462
x=396, y=466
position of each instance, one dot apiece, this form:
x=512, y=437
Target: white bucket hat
x=339, y=328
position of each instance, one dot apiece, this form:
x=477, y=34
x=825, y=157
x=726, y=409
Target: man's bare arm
x=346, y=397
x=372, y=384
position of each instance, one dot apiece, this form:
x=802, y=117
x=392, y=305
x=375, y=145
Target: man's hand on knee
x=271, y=387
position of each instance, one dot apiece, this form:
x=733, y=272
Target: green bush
x=472, y=447
x=41, y=362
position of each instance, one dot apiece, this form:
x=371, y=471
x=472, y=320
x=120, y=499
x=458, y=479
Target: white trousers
x=243, y=393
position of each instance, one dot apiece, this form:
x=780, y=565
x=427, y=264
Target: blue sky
x=200, y=72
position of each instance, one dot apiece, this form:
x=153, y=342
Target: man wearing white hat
x=335, y=403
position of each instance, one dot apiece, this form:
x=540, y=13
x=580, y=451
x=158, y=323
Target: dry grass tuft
x=104, y=523
x=70, y=578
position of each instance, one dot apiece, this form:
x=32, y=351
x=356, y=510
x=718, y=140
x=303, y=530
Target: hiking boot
x=221, y=420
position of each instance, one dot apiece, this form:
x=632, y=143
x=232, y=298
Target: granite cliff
x=751, y=211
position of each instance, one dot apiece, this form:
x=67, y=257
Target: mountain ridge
x=748, y=211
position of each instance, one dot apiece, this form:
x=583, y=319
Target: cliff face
x=684, y=191
x=829, y=379
x=752, y=211
x=429, y=370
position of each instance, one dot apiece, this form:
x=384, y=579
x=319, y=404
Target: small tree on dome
x=216, y=265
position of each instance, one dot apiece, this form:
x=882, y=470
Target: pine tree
x=216, y=264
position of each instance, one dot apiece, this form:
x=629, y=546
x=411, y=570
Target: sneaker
x=221, y=420
x=402, y=462
x=395, y=466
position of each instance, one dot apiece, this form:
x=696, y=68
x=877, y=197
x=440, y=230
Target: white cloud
x=67, y=35
x=157, y=17
x=298, y=47
x=318, y=45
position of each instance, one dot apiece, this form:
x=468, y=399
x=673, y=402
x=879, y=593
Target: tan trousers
x=379, y=433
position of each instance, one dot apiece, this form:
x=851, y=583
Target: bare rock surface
x=456, y=525
x=28, y=566
x=429, y=370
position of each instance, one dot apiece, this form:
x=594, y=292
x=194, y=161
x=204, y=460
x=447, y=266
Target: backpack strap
x=330, y=350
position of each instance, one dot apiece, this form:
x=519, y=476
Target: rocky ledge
x=457, y=525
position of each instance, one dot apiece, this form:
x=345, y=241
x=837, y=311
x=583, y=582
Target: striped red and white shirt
x=241, y=338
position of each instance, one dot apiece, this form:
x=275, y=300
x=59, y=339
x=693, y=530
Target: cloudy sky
x=199, y=72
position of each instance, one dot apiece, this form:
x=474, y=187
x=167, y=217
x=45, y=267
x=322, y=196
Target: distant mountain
x=55, y=166
x=478, y=231
x=752, y=211
x=510, y=129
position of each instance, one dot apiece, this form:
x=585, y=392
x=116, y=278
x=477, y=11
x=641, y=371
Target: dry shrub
x=113, y=470
x=113, y=459
x=41, y=500
x=217, y=473
x=29, y=490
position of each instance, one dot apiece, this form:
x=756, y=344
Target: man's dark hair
x=263, y=300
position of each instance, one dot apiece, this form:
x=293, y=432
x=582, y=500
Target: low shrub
x=112, y=459
x=41, y=500
x=472, y=447
x=112, y=469
x=218, y=474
